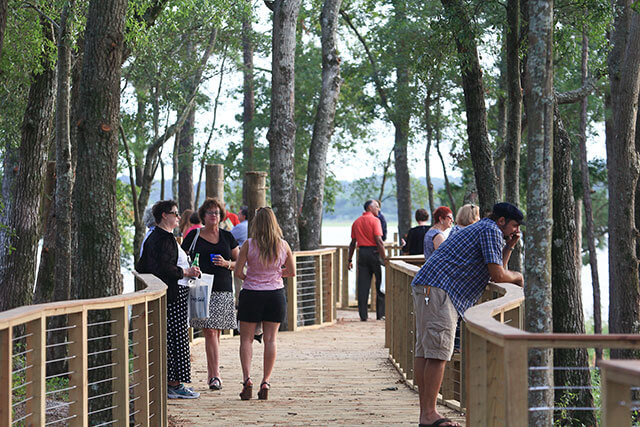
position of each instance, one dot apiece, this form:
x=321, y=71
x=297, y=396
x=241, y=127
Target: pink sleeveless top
x=262, y=277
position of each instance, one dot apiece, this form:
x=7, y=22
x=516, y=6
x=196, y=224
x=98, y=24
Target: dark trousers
x=369, y=266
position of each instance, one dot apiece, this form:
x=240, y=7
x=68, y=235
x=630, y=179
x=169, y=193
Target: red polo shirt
x=365, y=228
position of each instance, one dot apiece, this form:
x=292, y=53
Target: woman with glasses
x=164, y=258
x=218, y=251
x=442, y=221
x=262, y=298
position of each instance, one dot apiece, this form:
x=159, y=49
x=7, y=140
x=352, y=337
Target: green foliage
x=124, y=213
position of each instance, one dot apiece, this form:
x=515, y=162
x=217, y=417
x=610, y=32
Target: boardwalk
x=337, y=375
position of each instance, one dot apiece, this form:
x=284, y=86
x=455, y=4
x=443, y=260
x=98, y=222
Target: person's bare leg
x=433, y=372
x=418, y=370
x=270, y=331
x=212, y=349
x=246, y=350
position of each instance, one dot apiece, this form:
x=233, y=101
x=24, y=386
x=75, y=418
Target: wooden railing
x=52, y=354
x=311, y=293
x=493, y=381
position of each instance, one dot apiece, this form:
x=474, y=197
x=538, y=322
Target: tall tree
x=248, y=102
x=97, y=130
x=282, y=128
x=539, y=95
x=3, y=21
x=17, y=266
x=185, y=147
x=568, y=314
x=623, y=164
x=311, y=219
x=473, y=87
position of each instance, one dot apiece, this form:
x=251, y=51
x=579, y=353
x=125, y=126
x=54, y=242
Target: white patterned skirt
x=222, y=313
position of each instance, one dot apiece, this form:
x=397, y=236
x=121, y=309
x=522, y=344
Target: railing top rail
x=155, y=288
x=325, y=250
x=626, y=371
x=480, y=319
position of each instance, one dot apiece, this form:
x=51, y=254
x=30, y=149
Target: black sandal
x=263, y=394
x=215, y=383
x=247, y=390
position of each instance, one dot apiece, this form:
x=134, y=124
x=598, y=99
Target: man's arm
x=352, y=248
x=381, y=250
x=501, y=275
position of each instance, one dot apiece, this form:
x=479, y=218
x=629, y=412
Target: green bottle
x=196, y=261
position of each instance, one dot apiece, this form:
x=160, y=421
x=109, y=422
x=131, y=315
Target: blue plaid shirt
x=459, y=265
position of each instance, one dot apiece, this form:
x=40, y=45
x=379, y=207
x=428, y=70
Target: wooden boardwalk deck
x=336, y=375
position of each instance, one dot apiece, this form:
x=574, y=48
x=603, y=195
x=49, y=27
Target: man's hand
x=501, y=275
x=512, y=240
x=350, y=265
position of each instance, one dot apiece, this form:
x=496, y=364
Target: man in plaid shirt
x=450, y=282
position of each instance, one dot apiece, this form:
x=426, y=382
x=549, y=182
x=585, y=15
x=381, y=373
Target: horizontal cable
x=22, y=353
x=17, y=371
x=131, y=331
x=563, y=408
x=21, y=385
x=134, y=385
x=61, y=359
x=102, y=381
x=59, y=344
x=63, y=404
x=60, y=390
x=21, y=418
x=62, y=328
x=22, y=336
x=102, y=351
x=134, y=372
x=107, y=423
x=22, y=401
x=111, y=393
x=48, y=377
x=106, y=322
x=97, y=411
x=61, y=420
x=563, y=387
x=564, y=368
x=134, y=344
x=134, y=399
x=101, y=366
x=102, y=337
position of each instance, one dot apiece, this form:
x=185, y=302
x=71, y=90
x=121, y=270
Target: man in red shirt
x=366, y=233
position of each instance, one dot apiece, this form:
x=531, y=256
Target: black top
x=415, y=240
x=222, y=281
x=160, y=257
x=383, y=223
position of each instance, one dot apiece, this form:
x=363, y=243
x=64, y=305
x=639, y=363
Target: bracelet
x=229, y=267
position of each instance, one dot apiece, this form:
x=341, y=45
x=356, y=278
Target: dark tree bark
x=500, y=153
x=427, y=152
x=539, y=95
x=3, y=21
x=623, y=164
x=282, y=128
x=567, y=299
x=401, y=118
x=95, y=190
x=248, y=105
x=473, y=87
x=447, y=185
x=586, y=200
x=45, y=279
x=185, y=162
x=17, y=267
x=514, y=118
x=311, y=219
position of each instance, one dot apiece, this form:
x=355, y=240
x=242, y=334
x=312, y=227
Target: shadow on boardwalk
x=337, y=375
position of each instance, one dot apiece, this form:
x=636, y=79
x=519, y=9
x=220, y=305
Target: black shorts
x=258, y=306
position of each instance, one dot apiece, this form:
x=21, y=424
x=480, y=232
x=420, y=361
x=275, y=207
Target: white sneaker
x=181, y=392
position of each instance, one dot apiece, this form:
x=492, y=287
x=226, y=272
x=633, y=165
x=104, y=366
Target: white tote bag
x=199, y=295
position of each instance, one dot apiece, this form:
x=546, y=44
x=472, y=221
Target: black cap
x=508, y=211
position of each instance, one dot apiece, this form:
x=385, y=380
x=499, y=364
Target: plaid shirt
x=459, y=265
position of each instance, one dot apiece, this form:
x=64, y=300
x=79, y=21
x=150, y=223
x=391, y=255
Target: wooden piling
x=215, y=182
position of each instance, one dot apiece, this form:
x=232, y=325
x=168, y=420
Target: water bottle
x=196, y=261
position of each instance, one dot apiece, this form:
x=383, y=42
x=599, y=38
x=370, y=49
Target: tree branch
x=576, y=95
x=44, y=15
x=132, y=182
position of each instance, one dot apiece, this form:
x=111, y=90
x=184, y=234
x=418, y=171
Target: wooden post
x=256, y=192
x=516, y=383
x=292, y=302
x=319, y=287
x=476, y=384
x=6, y=368
x=163, y=358
x=78, y=366
x=140, y=337
x=120, y=371
x=344, y=282
x=36, y=358
x=215, y=182
x=411, y=326
x=496, y=385
x=331, y=308
x=617, y=377
x=156, y=384
x=389, y=298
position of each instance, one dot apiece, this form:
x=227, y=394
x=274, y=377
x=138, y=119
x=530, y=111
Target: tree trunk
x=623, y=165
x=499, y=155
x=514, y=118
x=185, y=162
x=473, y=87
x=248, y=105
x=447, y=185
x=539, y=94
x=311, y=219
x=282, y=128
x=45, y=279
x=3, y=21
x=17, y=267
x=175, y=167
x=567, y=311
x=427, y=152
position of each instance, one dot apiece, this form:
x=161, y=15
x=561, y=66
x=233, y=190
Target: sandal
x=247, y=389
x=263, y=394
x=215, y=383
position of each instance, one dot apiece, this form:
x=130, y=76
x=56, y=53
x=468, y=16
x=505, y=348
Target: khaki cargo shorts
x=435, y=323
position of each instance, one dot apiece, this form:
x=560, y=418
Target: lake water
x=340, y=234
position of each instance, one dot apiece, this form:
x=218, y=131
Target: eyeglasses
x=173, y=213
x=212, y=213
x=450, y=217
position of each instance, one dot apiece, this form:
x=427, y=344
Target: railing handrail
x=155, y=288
x=325, y=250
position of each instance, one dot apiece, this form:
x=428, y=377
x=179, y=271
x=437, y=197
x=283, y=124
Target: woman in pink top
x=262, y=298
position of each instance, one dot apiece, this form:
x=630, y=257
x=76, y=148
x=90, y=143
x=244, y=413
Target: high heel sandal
x=247, y=390
x=263, y=393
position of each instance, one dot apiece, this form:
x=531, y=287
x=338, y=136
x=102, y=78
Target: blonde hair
x=267, y=234
x=467, y=215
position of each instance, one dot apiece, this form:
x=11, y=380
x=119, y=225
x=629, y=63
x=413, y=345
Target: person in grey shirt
x=241, y=230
